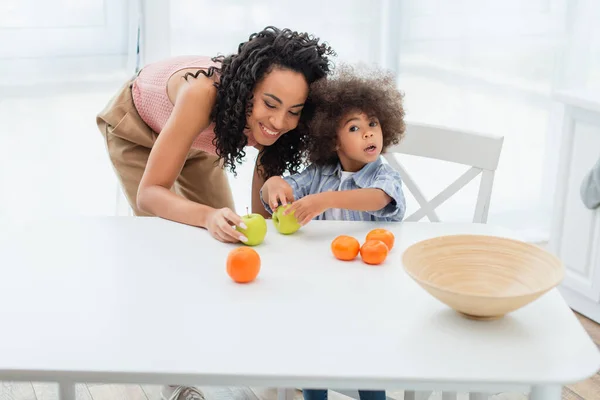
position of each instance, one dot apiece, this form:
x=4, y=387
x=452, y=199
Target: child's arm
x=369, y=199
x=278, y=190
x=274, y=191
x=309, y=207
x=389, y=181
x=383, y=198
x=590, y=188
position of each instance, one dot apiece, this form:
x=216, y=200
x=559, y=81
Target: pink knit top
x=150, y=97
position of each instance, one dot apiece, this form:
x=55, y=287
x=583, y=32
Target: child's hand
x=278, y=190
x=308, y=207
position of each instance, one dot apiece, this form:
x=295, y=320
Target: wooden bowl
x=482, y=277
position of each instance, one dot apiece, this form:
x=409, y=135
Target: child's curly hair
x=372, y=91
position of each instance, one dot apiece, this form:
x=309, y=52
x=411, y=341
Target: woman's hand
x=220, y=223
x=277, y=190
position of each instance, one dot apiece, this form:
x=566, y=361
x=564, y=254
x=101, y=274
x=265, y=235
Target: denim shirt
x=376, y=175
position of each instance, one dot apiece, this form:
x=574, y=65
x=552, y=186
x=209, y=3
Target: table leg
x=66, y=390
x=420, y=395
x=479, y=396
x=550, y=392
x=284, y=394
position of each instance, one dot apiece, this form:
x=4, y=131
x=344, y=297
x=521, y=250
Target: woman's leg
x=371, y=394
x=314, y=394
x=129, y=161
x=128, y=140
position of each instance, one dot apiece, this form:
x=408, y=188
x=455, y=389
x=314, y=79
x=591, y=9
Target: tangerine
x=384, y=235
x=374, y=252
x=243, y=264
x=345, y=247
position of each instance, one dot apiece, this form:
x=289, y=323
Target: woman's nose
x=277, y=121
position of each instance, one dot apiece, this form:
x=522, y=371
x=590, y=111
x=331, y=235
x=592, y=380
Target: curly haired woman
x=172, y=129
x=356, y=118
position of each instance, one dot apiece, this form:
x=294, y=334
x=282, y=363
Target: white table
x=89, y=300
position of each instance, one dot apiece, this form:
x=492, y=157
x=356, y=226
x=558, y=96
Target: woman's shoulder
x=180, y=73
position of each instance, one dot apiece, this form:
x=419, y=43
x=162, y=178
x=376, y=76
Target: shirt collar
x=361, y=178
x=332, y=169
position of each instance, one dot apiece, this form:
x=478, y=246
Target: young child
x=356, y=118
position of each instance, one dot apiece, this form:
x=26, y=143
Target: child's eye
x=373, y=123
x=269, y=105
x=295, y=113
x=353, y=128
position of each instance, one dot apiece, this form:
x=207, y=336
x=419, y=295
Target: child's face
x=360, y=140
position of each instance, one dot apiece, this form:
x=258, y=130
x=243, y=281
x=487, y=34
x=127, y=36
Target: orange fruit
x=345, y=248
x=384, y=235
x=374, y=252
x=243, y=264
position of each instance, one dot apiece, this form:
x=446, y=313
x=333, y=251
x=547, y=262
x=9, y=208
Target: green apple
x=286, y=224
x=256, y=229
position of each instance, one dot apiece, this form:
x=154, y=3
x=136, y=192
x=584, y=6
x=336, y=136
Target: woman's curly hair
x=239, y=74
x=371, y=91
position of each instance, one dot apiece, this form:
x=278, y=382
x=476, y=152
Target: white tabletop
x=148, y=300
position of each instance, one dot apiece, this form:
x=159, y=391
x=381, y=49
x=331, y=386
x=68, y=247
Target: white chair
x=481, y=152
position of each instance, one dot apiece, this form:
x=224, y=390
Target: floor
x=589, y=389
x=586, y=390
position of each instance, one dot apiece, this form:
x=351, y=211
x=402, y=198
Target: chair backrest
x=481, y=152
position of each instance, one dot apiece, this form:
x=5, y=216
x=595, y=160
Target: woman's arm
x=257, y=183
x=194, y=101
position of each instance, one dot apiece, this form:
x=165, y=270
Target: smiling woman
x=271, y=116
x=172, y=128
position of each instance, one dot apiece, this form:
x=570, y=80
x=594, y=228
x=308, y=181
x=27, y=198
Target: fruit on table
x=285, y=224
x=384, y=235
x=256, y=228
x=345, y=247
x=374, y=252
x=243, y=264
